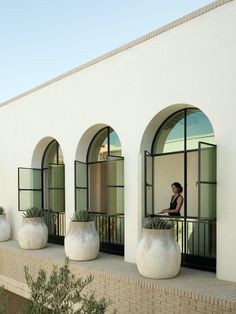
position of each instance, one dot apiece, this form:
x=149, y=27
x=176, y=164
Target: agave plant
x=33, y=212
x=81, y=215
x=158, y=223
x=2, y=210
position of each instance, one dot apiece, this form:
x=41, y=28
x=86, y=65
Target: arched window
x=104, y=144
x=99, y=188
x=44, y=188
x=184, y=151
x=183, y=131
x=106, y=173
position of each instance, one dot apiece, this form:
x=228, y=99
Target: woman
x=176, y=200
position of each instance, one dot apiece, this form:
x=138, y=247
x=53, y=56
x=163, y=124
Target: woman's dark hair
x=179, y=186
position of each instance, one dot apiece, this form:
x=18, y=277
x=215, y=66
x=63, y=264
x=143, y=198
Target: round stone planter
x=33, y=233
x=82, y=241
x=158, y=254
x=5, y=230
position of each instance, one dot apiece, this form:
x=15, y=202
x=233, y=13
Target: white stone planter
x=158, y=254
x=33, y=233
x=5, y=230
x=82, y=241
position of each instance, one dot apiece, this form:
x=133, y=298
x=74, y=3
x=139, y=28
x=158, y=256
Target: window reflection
x=105, y=143
x=199, y=129
x=53, y=178
x=53, y=154
x=171, y=137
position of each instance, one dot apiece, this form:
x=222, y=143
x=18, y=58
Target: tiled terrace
x=193, y=291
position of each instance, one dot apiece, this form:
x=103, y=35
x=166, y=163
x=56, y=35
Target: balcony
x=193, y=291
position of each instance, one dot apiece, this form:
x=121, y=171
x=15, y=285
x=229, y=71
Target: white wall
x=192, y=64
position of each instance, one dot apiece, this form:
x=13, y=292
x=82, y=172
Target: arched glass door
x=99, y=188
x=184, y=151
x=44, y=188
x=54, y=191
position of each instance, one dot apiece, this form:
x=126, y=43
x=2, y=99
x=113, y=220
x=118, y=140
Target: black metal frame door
x=81, y=185
x=200, y=235
x=207, y=201
x=115, y=205
x=54, y=213
x=148, y=184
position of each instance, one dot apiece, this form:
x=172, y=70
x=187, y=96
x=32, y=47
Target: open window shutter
x=81, y=185
x=148, y=182
x=115, y=184
x=207, y=181
x=29, y=188
x=56, y=187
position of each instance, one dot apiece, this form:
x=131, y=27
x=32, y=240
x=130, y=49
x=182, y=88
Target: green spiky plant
x=82, y=215
x=2, y=210
x=3, y=301
x=33, y=212
x=61, y=292
x=158, y=223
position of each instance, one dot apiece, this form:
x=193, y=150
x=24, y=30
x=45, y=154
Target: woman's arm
x=164, y=210
x=177, y=209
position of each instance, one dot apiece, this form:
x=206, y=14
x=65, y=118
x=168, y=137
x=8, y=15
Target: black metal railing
x=111, y=232
x=201, y=237
x=196, y=238
x=56, y=224
x=109, y=227
x=197, y=241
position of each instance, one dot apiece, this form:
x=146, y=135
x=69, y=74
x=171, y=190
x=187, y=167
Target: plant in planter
x=158, y=254
x=82, y=239
x=33, y=233
x=4, y=225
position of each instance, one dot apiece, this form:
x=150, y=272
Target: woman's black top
x=173, y=205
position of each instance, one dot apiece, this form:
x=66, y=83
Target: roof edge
x=161, y=30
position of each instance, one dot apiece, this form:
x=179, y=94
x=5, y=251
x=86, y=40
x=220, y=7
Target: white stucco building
x=162, y=93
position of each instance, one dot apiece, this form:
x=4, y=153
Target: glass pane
x=149, y=200
x=199, y=129
x=115, y=145
x=60, y=156
x=201, y=238
x=57, y=200
x=98, y=187
x=208, y=162
x=192, y=186
x=56, y=176
x=45, y=189
x=50, y=155
x=98, y=150
x=30, y=199
x=115, y=200
x=30, y=178
x=149, y=184
x=167, y=169
x=149, y=169
x=115, y=171
x=170, y=137
x=81, y=174
x=81, y=198
x=207, y=200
